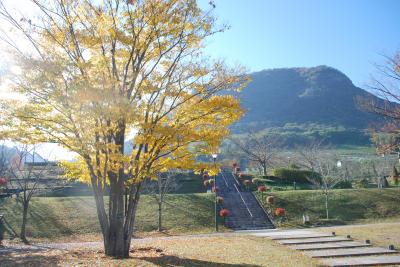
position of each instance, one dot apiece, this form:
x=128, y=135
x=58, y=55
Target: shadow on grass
x=167, y=260
x=31, y=259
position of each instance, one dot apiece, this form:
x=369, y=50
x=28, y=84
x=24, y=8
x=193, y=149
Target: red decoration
x=280, y=212
x=3, y=181
x=224, y=212
x=262, y=188
x=270, y=200
x=215, y=189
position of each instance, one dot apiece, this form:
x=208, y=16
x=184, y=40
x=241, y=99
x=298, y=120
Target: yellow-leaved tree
x=98, y=73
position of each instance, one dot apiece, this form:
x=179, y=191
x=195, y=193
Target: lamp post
x=339, y=164
x=214, y=156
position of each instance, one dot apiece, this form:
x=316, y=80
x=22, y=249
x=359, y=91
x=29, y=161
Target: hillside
x=320, y=95
x=347, y=206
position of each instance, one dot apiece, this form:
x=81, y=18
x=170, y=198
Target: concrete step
x=316, y=235
x=330, y=245
x=348, y=252
x=314, y=240
x=363, y=261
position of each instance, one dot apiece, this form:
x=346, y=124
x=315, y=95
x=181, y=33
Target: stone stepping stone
x=363, y=261
x=314, y=240
x=285, y=237
x=330, y=245
x=363, y=251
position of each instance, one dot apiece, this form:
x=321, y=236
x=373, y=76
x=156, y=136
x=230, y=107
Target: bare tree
x=328, y=167
x=260, y=150
x=306, y=156
x=166, y=183
x=28, y=177
x=386, y=85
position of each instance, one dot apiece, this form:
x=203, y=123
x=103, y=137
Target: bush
x=245, y=176
x=363, y=183
x=295, y=175
x=344, y=185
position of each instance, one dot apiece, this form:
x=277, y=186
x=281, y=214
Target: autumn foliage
x=280, y=212
x=262, y=188
x=224, y=213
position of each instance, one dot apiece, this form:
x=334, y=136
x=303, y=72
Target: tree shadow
x=168, y=260
x=28, y=259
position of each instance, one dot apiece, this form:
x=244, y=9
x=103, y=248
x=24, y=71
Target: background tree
x=385, y=84
x=29, y=177
x=327, y=166
x=97, y=73
x=165, y=183
x=259, y=150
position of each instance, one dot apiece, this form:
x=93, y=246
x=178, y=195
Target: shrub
x=395, y=180
x=295, y=175
x=215, y=189
x=247, y=182
x=262, y=188
x=363, y=183
x=344, y=185
x=280, y=212
x=245, y=176
x=3, y=181
x=224, y=213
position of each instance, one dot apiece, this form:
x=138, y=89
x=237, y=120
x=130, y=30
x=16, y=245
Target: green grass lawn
x=52, y=217
x=346, y=205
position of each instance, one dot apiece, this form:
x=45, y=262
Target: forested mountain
x=302, y=99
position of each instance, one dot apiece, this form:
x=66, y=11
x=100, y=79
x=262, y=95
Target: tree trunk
x=326, y=205
x=160, y=216
x=24, y=220
x=115, y=244
x=264, y=167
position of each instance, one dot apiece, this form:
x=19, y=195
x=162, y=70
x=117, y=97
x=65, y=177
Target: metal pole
x=215, y=200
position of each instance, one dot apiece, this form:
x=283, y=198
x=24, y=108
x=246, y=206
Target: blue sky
x=347, y=35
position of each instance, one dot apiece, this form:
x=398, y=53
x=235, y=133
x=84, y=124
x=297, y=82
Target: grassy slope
x=346, y=205
x=60, y=216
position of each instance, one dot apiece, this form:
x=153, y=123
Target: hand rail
x=266, y=212
x=223, y=177
x=244, y=202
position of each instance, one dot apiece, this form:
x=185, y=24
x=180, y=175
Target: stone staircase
x=246, y=212
x=332, y=250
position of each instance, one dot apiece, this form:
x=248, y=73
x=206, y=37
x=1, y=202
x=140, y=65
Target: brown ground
x=194, y=251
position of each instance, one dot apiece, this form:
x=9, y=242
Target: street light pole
x=214, y=156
